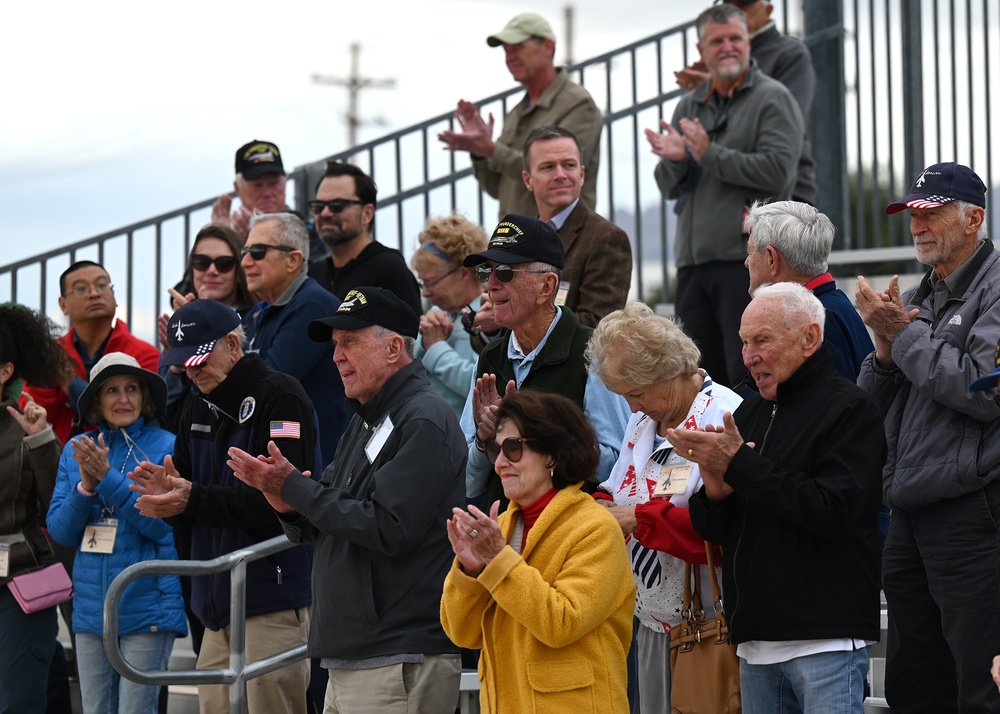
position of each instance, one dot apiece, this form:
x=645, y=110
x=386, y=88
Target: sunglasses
x=512, y=447
x=224, y=263
x=505, y=273
x=259, y=251
x=337, y=205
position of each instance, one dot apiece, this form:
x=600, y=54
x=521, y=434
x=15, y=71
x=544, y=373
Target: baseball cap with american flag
x=193, y=331
x=940, y=184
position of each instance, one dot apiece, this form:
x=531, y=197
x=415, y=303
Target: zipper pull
x=278, y=568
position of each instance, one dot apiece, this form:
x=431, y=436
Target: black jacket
x=799, y=536
x=382, y=550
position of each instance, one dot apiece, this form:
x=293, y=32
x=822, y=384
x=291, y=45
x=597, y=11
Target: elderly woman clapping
x=545, y=590
x=94, y=509
x=648, y=360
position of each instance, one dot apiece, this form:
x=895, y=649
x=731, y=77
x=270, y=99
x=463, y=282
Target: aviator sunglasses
x=337, y=205
x=258, y=251
x=224, y=263
x=512, y=447
x=504, y=272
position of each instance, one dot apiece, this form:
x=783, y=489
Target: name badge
x=673, y=480
x=378, y=439
x=562, y=293
x=100, y=537
x=4, y=559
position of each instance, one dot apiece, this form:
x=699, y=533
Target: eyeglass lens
x=83, y=290
x=224, y=263
x=511, y=447
x=505, y=273
x=258, y=251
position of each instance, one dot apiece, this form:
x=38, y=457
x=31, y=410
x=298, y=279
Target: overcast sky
x=116, y=111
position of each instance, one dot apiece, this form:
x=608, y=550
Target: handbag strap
x=710, y=557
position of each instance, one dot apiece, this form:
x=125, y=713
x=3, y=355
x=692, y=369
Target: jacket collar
x=388, y=395
x=968, y=277
x=815, y=369
x=237, y=385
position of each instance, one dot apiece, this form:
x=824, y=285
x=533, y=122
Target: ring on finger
x=473, y=533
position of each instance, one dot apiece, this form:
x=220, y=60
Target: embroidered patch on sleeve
x=285, y=429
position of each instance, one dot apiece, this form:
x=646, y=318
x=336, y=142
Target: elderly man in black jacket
x=792, y=486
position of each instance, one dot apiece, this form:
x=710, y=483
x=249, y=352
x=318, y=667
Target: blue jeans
x=824, y=683
x=103, y=690
x=27, y=643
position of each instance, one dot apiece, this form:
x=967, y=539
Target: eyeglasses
x=337, y=205
x=224, y=263
x=505, y=273
x=428, y=284
x=82, y=290
x=512, y=447
x=259, y=250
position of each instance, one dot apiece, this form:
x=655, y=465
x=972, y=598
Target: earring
x=552, y=473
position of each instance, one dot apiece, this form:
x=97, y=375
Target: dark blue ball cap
x=193, y=331
x=364, y=307
x=940, y=184
x=521, y=239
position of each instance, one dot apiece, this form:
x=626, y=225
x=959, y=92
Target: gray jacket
x=944, y=441
x=755, y=144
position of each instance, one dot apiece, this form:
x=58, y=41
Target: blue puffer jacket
x=151, y=603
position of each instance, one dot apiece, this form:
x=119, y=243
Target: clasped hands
x=712, y=448
x=475, y=537
x=885, y=314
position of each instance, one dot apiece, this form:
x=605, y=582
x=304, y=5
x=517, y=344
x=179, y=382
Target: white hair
x=795, y=301
x=291, y=232
x=802, y=235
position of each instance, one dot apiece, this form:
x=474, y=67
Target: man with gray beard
x=344, y=215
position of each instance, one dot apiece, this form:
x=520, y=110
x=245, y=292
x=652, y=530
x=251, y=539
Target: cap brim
x=322, y=330
x=261, y=169
x=496, y=255
x=508, y=37
x=986, y=382
x=157, y=387
x=188, y=356
x=915, y=200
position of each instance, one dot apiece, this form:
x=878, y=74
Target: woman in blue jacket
x=93, y=509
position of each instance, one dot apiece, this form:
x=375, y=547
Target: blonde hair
x=451, y=238
x=635, y=346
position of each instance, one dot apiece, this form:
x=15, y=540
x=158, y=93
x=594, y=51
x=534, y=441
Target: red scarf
x=530, y=513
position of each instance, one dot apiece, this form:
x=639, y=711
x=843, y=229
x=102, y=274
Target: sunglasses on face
x=337, y=205
x=512, y=447
x=504, y=273
x=224, y=263
x=259, y=251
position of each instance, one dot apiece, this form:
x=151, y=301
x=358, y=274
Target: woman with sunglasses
x=444, y=344
x=214, y=270
x=545, y=591
x=93, y=509
x=648, y=360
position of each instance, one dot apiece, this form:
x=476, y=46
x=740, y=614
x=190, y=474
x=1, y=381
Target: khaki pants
x=428, y=688
x=280, y=691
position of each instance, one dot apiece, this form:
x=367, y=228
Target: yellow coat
x=554, y=624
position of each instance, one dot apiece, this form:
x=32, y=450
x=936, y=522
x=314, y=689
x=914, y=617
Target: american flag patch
x=929, y=202
x=200, y=355
x=286, y=429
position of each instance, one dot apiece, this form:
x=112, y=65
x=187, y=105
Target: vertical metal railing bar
x=954, y=83
x=986, y=92
x=889, y=239
x=662, y=207
x=238, y=634
x=424, y=147
x=970, y=77
x=937, y=81
x=397, y=149
x=873, y=196
x=859, y=179
x=610, y=144
x=451, y=169
x=636, y=199
x=158, y=278
x=130, y=267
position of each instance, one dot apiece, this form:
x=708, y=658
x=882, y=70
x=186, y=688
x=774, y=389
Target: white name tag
x=673, y=480
x=4, y=559
x=562, y=293
x=378, y=439
x=100, y=537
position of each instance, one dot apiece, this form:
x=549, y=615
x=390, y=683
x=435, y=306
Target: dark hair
x=27, y=340
x=227, y=235
x=73, y=268
x=559, y=429
x=363, y=185
x=546, y=133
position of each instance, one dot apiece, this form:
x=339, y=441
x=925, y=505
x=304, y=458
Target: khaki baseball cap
x=522, y=27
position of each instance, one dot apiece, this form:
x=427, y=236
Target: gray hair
x=795, y=301
x=409, y=343
x=963, y=208
x=802, y=234
x=721, y=15
x=291, y=232
x=635, y=347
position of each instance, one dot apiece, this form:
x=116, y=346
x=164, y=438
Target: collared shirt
x=557, y=221
x=608, y=414
x=942, y=288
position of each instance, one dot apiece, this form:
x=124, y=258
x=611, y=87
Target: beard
x=337, y=235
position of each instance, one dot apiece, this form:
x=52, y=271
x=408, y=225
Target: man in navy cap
x=941, y=563
x=376, y=517
x=542, y=347
x=245, y=404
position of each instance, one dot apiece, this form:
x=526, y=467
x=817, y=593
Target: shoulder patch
x=246, y=408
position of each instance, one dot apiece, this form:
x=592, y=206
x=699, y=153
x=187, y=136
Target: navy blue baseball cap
x=193, y=331
x=521, y=239
x=940, y=184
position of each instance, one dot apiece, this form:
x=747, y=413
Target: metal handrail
x=238, y=672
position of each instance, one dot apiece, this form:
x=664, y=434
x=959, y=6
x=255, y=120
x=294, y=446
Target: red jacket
x=56, y=401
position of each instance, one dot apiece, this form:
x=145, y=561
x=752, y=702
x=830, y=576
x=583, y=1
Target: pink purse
x=41, y=589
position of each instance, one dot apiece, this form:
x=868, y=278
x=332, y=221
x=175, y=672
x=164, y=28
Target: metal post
x=825, y=37
x=913, y=93
x=238, y=635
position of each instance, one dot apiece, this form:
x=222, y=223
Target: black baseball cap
x=520, y=239
x=258, y=158
x=940, y=184
x=193, y=331
x=364, y=307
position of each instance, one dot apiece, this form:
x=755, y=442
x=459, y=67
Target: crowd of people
x=520, y=478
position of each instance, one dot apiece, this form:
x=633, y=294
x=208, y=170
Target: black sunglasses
x=224, y=263
x=505, y=273
x=512, y=447
x=337, y=205
x=259, y=251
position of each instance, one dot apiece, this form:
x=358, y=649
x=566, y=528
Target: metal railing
x=238, y=672
x=900, y=83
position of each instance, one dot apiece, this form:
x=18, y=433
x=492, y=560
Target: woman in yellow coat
x=545, y=590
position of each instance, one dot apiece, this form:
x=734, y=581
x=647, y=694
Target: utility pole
x=354, y=84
